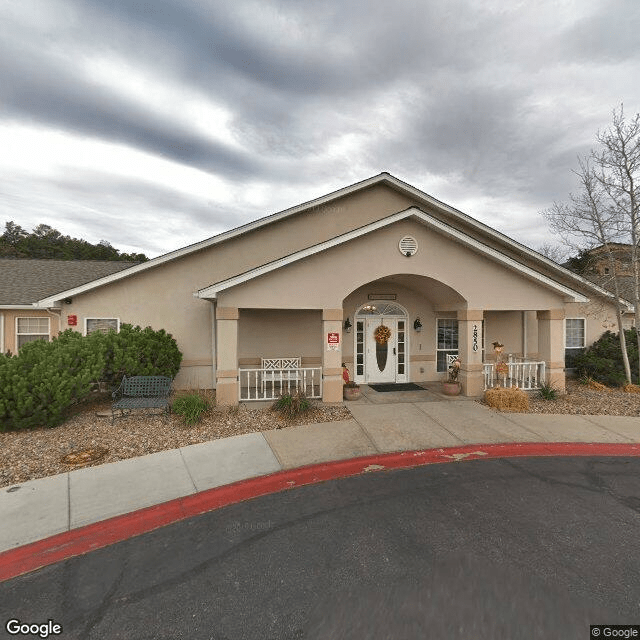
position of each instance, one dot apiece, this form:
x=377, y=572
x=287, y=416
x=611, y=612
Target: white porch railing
x=524, y=375
x=269, y=384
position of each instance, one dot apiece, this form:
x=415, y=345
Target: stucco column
x=470, y=351
x=331, y=357
x=551, y=345
x=227, y=355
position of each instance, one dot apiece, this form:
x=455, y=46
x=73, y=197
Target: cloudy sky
x=155, y=124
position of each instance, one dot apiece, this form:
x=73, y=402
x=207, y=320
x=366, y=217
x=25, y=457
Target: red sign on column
x=72, y=321
x=333, y=337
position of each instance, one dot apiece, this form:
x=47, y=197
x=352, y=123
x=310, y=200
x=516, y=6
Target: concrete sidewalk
x=41, y=508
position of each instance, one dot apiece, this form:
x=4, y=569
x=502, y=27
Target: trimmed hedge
x=602, y=361
x=39, y=384
x=139, y=352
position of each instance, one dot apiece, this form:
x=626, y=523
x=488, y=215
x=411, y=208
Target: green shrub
x=190, y=407
x=547, y=392
x=139, y=352
x=602, y=361
x=45, y=379
x=570, y=357
x=38, y=385
x=291, y=406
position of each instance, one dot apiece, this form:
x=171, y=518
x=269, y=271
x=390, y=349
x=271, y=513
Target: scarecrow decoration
x=502, y=368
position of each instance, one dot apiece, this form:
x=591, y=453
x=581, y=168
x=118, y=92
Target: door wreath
x=382, y=334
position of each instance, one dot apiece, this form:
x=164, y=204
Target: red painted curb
x=15, y=562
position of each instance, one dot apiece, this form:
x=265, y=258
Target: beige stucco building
x=25, y=281
x=313, y=283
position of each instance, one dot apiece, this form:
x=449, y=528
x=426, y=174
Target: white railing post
x=521, y=374
x=268, y=384
x=489, y=372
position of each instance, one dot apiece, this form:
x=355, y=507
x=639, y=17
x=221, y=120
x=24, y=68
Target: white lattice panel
x=280, y=363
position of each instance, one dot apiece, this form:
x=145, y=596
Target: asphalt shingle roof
x=625, y=284
x=24, y=281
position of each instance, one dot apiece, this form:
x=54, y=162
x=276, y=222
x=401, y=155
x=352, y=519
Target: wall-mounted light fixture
x=68, y=300
x=417, y=325
x=347, y=325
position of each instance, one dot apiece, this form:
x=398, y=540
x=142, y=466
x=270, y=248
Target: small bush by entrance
x=191, y=407
x=290, y=406
x=602, y=361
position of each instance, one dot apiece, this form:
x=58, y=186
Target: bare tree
x=553, y=252
x=587, y=221
x=617, y=163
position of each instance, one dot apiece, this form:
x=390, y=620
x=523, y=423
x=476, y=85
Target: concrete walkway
x=382, y=423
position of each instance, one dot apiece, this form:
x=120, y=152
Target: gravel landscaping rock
x=36, y=453
x=581, y=400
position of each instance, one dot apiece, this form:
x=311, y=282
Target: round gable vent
x=408, y=246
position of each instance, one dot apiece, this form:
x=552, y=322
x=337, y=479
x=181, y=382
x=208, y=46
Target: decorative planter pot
x=351, y=393
x=451, y=388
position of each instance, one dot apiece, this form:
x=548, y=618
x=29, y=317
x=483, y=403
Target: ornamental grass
x=507, y=399
x=590, y=383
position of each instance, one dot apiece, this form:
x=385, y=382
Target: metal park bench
x=141, y=392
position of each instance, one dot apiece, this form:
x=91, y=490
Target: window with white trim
x=31, y=329
x=447, y=342
x=101, y=324
x=574, y=333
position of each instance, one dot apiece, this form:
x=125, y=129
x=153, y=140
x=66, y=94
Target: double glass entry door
x=377, y=361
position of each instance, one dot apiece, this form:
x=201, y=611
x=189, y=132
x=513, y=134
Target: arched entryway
x=380, y=349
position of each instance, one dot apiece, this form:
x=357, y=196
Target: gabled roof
x=626, y=284
x=384, y=178
x=24, y=281
x=416, y=214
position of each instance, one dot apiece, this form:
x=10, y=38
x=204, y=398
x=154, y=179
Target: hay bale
x=631, y=388
x=509, y=399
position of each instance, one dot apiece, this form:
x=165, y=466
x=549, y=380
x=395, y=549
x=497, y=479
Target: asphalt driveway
x=501, y=548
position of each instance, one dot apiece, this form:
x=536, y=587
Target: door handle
x=394, y=351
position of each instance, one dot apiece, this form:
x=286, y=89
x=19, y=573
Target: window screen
x=102, y=324
x=574, y=333
x=30, y=329
x=447, y=341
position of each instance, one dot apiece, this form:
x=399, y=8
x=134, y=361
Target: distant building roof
x=24, y=281
x=625, y=284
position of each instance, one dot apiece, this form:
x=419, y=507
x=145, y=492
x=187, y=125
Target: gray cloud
x=146, y=214
x=32, y=89
x=490, y=99
x=609, y=35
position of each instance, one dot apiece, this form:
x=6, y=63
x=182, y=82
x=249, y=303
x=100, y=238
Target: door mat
x=405, y=386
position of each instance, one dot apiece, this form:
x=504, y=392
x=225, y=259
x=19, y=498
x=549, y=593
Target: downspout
x=2, y=349
x=214, y=363
x=55, y=315
x=524, y=335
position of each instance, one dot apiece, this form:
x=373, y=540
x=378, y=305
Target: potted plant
x=451, y=386
x=350, y=390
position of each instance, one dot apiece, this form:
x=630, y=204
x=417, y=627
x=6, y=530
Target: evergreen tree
x=46, y=242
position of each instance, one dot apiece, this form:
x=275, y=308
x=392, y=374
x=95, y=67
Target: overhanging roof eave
x=212, y=290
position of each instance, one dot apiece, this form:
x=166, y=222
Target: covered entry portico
x=449, y=295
